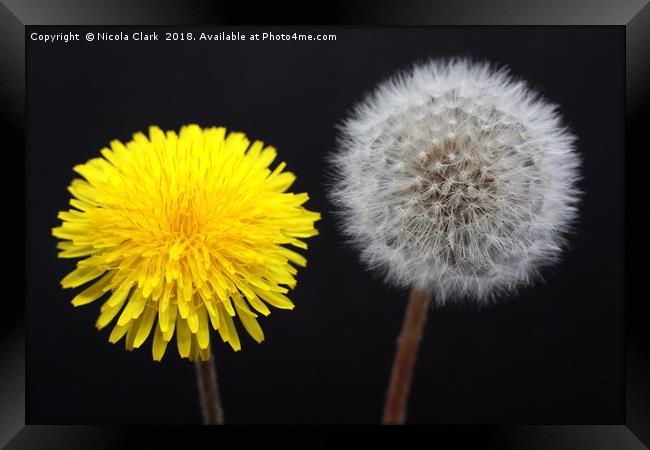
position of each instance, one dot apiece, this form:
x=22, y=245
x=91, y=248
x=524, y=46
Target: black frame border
x=634, y=15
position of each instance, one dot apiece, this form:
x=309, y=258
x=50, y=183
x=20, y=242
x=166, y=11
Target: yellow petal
x=166, y=296
x=242, y=307
x=254, y=300
x=205, y=353
x=80, y=276
x=108, y=314
x=132, y=332
x=183, y=337
x=119, y=294
x=276, y=299
x=164, y=318
x=193, y=320
x=74, y=251
x=144, y=329
x=133, y=308
x=213, y=313
x=183, y=308
x=93, y=292
x=203, y=335
x=118, y=332
x=194, y=349
x=292, y=256
x=171, y=321
x=233, y=338
x=250, y=324
x=159, y=344
x=223, y=326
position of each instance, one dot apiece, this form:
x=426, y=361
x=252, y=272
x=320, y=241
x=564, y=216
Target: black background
x=553, y=354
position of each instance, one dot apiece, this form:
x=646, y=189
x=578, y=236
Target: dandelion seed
x=490, y=149
x=496, y=175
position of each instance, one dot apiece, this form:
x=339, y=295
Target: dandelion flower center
x=182, y=231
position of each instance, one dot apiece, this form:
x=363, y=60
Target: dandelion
x=180, y=232
x=458, y=180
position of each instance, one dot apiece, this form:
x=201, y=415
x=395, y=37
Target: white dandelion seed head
x=456, y=177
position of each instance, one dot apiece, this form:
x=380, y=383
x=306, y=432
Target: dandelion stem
x=206, y=377
x=405, y=356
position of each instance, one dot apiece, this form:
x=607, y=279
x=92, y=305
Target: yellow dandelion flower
x=181, y=231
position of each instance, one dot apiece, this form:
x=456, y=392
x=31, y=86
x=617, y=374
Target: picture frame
x=634, y=16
